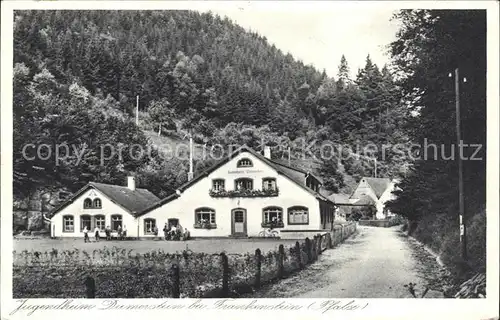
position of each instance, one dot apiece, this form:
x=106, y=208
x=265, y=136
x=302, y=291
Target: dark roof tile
x=134, y=201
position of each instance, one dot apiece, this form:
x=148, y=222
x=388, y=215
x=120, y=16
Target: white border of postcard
x=366, y=308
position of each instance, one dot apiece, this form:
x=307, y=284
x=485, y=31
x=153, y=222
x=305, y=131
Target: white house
x=379, y=190
x=240, y=196
x=101, y=205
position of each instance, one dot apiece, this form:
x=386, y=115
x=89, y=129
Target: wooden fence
x=235, y=275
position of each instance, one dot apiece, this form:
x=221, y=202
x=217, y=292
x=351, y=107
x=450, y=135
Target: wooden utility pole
x=191, y=150
x=461, y=206
x=137, y=111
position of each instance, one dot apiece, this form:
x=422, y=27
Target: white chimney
x=131, y=183
x=190, y=173
x=267, y=152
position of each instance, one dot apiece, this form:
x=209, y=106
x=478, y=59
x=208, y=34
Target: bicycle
x=269, y=233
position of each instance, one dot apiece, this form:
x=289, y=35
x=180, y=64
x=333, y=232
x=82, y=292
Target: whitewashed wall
x=76, y=209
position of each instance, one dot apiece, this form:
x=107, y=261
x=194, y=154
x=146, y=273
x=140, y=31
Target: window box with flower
x=244, y=193
x=204, y=224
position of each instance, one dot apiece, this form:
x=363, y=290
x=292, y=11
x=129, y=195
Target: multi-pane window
x=97, y=203
x=218, y=185
x=85, y=222
x=87, y=203
x=244, y=163
x=68, y=224
x=100, y=222
x=243, y=184
x=269, y=184
x=116, y=220
x=204, y=215
x=298, y=215
x=272, y=214
x=239, y=216
x=149, y=226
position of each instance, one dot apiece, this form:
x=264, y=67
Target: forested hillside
x=77, y=74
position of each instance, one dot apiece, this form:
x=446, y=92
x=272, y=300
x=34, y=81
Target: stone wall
x=378, y=223
x=28, y=212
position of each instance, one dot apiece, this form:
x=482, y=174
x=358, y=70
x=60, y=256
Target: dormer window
x=244, y=163
x=87, y=203
x=97, y=203
x=243, y=184
x=269, y=184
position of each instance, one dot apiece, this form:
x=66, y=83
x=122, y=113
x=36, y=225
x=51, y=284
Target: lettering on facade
x=249, y=171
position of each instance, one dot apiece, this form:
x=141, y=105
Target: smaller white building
x=101, y=205
x=379, y=190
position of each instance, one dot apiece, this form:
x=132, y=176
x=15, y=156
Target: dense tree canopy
x=195, y=73
x=429, y=47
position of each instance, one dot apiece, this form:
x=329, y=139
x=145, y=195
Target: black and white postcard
x=248, y=159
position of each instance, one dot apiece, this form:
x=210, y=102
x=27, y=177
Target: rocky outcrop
x=475, y=287
x=28, y=212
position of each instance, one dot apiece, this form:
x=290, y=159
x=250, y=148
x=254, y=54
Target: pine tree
x=343, y=74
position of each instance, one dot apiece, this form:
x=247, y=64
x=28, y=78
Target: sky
x=320, y=37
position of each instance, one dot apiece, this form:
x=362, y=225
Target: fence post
x=308, y=250
x=315, y=247
x=258, y=261
x=320, y=242
x=90, y=287
x=176, y=283
x=329, y=240
x=225, y=275
x=299, y=255
x=281, y=267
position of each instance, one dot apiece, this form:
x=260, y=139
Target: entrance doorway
x=239, y=222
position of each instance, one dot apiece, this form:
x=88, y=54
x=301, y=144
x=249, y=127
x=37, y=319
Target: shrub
x=119, y=273
x=441, y=234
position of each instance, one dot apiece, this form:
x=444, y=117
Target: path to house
x=375, y=263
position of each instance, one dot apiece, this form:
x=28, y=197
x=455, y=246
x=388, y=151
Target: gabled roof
x=378, y=185
x=339, y=198
x=297, y=168
x=133, y=201
x=296, y=175
x=365, y=200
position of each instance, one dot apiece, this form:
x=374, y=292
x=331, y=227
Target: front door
x=239, y=222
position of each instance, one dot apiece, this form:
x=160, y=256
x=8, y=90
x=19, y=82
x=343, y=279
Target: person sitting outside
x=186, y=234
x=174, y=232
x=108, y=233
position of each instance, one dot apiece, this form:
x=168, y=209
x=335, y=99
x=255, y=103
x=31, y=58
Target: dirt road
x=375, y=263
